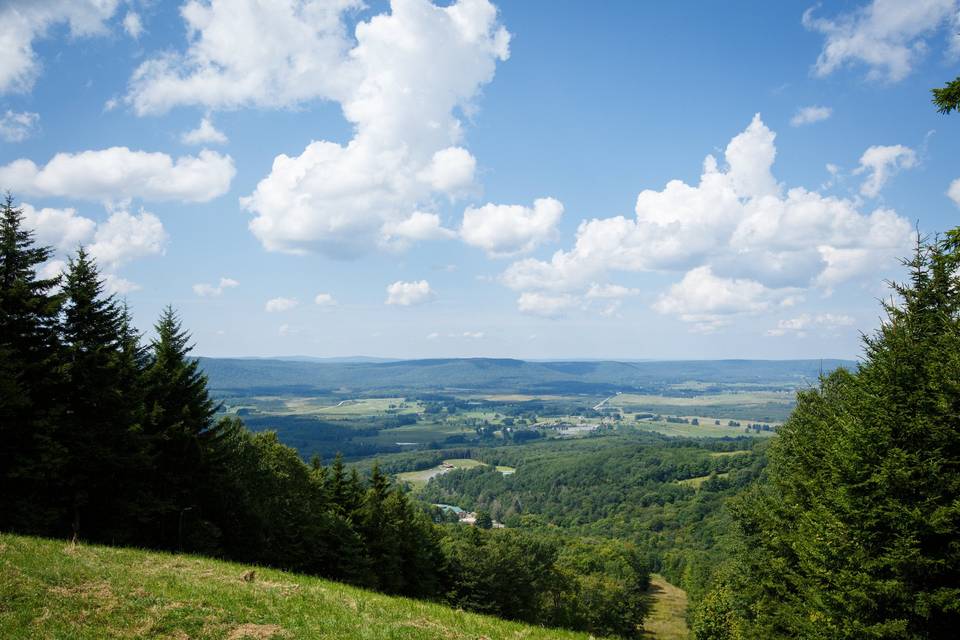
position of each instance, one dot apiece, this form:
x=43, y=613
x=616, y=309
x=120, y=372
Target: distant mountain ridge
x=502, y=374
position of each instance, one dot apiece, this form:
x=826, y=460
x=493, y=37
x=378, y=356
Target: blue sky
x=525, y=179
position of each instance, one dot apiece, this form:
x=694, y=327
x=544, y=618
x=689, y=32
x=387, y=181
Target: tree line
x=107, y=438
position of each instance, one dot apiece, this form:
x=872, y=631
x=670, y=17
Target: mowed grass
x=668, y=609
x=53, y=590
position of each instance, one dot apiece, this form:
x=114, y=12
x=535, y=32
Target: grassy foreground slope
x=53, y=589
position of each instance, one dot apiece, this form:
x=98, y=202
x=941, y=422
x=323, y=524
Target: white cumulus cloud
x=132, y=24
x=118, y=173
x=18, y=126
x=450, y=170
x=759, y=242
x=339, y=199
x=809, y=115
x=124, y=237
x=207, y=290
x=888, y=36
x=324, y=300
x=406, y=294
x=706, y=300
x=546, y=305
x=205, y=133
x=419, y=226
x=954, y=191
x=880, y=163
x=505, y=230
x=118, y=240
x=279, y=305
x=803, y=323
x=22, y=22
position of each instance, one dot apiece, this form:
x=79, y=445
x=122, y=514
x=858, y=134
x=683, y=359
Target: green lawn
x=52, y=590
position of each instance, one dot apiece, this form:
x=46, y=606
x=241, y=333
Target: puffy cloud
x=881, y=162
x=954, y=191
x=547, y=305
x=124, y=237
x=205, y=133
x=419, y=226
x=809, y=115
x=324, y=300
x=339, y=199
x=803, y=323
x=132, y=24
x=295, y=52
x=706, y=301
x=24, y=21
x=118, y=173
x=206, y=290
x=279, y=305
x=407, y=294
x=450, y=170
x=18, y=126
x=505, y=230
x=61, y=229
x=737, y=229
x=888, y=36
x=121, y=238
x=117, y=285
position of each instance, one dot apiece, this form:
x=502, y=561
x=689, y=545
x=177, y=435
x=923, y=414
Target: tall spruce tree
x=100, y=428
x=854, y=534
x=29, y=379
x=179, y=423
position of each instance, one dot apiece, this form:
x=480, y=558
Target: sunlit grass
x=53, y=590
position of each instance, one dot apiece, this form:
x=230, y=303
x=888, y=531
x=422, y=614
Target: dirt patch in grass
x=252, y=631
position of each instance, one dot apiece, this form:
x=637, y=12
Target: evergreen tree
x=855, y=533
x=947, y=98
x=98, y=429
x=179, y=423
x=29, y=379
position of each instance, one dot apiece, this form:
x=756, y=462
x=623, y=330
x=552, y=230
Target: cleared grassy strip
x=419, y=478
x=699, y=480
x=668, y=609
x=52, y=590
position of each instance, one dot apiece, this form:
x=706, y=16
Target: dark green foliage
x=593, y=585
x=947, y=98
x=100, y=429
x=29, y=377
x=854, y=534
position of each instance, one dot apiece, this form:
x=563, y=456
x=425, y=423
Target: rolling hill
x=493, y=374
